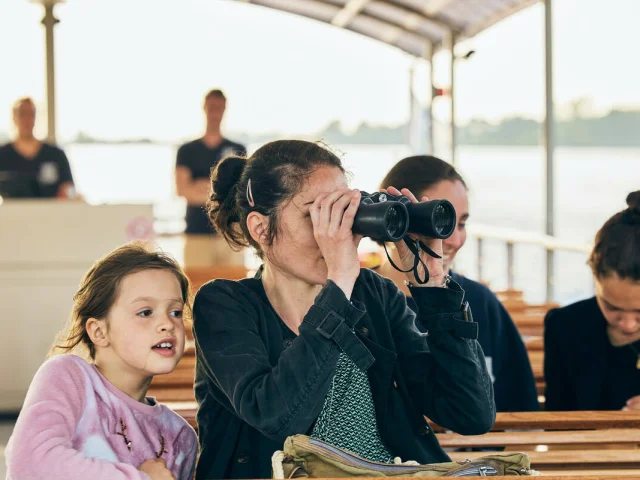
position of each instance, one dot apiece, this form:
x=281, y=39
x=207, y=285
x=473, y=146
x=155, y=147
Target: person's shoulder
x=190, y=145
x=473, y=287
x=6, y=151
x=370, y=277
x=51, y=149
x=177, y=424
x=236, y=147
x=221, y=292
x=64, y=366
x=575, y=312
x=221, y=285
x=371, y=284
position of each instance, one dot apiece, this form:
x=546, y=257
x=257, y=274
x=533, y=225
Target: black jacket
x=514, y=385
x=508, y=364
x=578, y=357
x=257, y=383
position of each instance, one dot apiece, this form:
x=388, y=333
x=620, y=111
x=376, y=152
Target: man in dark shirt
x=30, y=168
x=194, y=162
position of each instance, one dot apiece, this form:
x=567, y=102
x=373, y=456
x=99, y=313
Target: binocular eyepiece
x=388, y=218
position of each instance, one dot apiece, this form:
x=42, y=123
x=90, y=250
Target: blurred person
x=195, y=161
x=592, y=347
x=30, y=168
x=505, y=352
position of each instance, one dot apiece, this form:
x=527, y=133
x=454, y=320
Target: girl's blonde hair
x=99, y=289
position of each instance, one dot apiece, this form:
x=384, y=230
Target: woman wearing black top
x=514, y=387
x=315, y=345
x=592, y=348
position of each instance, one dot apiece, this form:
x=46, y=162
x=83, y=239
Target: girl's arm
x=186, y=446
x=41, y=443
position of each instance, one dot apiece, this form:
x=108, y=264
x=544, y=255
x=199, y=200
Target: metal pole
x=49, y=22
x=411, y=124
x=480, y=259
x=549, y=141
x=510, y=266
x=430, y=137
x=452, y=44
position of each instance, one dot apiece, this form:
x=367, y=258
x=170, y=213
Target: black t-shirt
x=200, y=159
x=622, y=380
x=38, y=177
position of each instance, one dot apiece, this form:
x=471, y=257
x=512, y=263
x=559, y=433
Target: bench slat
x=570, y=458
x=576, y=437
x=586, y=420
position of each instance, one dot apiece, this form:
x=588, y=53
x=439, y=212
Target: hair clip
x=250, y=194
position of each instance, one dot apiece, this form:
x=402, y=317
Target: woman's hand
x=332, y=218
x=434, y=265
x=633, y=403
x=157, y=469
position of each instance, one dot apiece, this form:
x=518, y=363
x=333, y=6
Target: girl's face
x=144, y=326
x=619, y=301
x=295, y=251
x=456, y=193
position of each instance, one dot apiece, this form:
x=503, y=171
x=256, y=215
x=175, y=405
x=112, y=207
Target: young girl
x=90, y=419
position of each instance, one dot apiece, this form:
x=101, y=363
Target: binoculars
x=388, y=218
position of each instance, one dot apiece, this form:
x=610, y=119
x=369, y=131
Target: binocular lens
x=394, y=222
x=384, y=222
x=443, y=221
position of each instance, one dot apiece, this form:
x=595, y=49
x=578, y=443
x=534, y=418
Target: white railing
x=512, y=237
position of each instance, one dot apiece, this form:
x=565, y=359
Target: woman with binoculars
x=315, y=345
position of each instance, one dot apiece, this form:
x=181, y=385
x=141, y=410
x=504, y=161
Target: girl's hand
x=332, y=217
x=157, y=469
x=434, y=265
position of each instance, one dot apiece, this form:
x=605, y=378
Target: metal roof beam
x=429, y=18
x=480, y=26
x=349, y=12
x=436, y=6
x=394, y=29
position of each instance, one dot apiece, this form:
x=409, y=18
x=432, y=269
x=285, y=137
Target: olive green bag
x=306, y=457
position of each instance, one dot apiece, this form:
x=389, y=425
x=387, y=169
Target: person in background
x=592, y=347
x=505, y=353
x=30, y=168
x=195, y=161
x=86, y=415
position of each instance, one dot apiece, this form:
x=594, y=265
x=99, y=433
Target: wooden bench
x=596, y=445
x=561, y=442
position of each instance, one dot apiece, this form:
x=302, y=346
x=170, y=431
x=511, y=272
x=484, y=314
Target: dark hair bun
x=226, y=174
x=633, y=200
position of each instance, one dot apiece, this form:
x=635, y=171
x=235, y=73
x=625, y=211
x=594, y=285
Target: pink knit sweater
x=71, y=426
